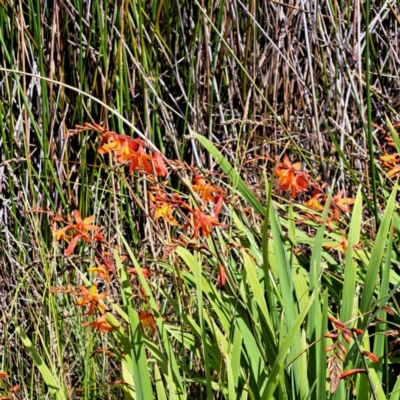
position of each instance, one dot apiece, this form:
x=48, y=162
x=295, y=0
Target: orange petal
x=371, y=356
x=221, y=275
x=71, y=247
x=159, y=165
x=351, y=372
x=77, y=216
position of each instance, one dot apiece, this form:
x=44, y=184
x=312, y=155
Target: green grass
x=223, y=90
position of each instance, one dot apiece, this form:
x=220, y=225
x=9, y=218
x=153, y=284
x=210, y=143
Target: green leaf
x=134, y=345
x=195, y=266
x=160, y=386
x=350, y=270
x=278, y=366
x=167, y=345
x=394, y=134
x=380, y=337
x=286, y=283
x=48, y=378
x=315, y=320
x=376, y=258
x=321, y=373
x=231, y=173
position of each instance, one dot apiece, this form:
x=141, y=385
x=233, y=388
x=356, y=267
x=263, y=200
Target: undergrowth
x=199, y=201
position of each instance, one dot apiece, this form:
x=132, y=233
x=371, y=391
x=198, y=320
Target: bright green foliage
x=198, y=200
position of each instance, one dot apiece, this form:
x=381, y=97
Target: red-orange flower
x=165, y=211
x=371, y=356
x=113, y=142
x=205, y=223
x=145, y=272
x=389, y=160
x=145, y=319
x=159, y=164
x=222, y=275
x=81, y=227
x=101, y=324
x=290, y=177
x=204, y=189
x=131, y=150
x=340, y=203
x=314, y=203
x=101, y=271
x=140, y=160
x=351, y=372
x=92, y=299
x=342, y=246
x=122, y=145
x=218, y=204
x=394, y=171
x=163, y=207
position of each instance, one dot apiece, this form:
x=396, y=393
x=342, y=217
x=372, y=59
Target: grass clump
x=198, y=200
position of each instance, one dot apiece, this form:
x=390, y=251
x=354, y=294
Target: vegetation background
x=227, y=87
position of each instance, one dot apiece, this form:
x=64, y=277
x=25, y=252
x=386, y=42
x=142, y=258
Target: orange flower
x=145, y=272
x=394, y=171
x=92, y=298
x=314, y=203
x=159, y=165
x=342, y=246
x=165, y=211
x=115, y=144
x=102, y=272
x=3, y=375
x=371, y=356
x=128, y=148
x=13, y=389
x=340, y=203
x=389, y=160
x=61, y=234
x=101, y=324
x=205, y=223
x=222, y=276
x=163, y=207
x=291, y=178
x=99, y=237
x=145, y=319
x=81, y=227
x=141, y=160
x=204, y=189
x=351, y=372
x=122, y=145
x=132, y=150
